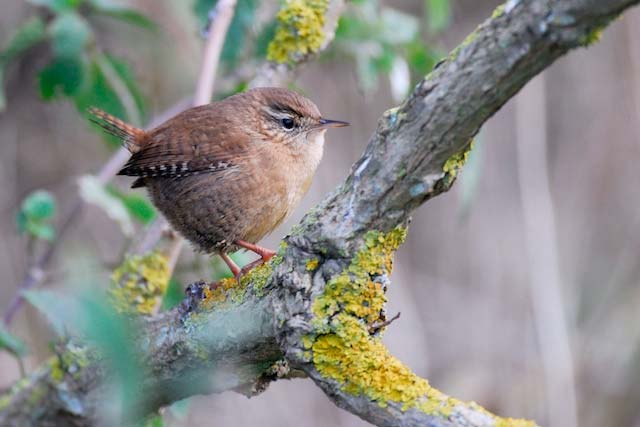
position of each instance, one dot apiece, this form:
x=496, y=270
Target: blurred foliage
x=173, y=296
x=95, y=193
x=35, y=215
x=438, y=14
x=78, y=69
x=385, y=41
x=11, y=343
x=138, y=205
x=87, y=314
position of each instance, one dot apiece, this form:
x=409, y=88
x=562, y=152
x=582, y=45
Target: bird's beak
x=326, y=123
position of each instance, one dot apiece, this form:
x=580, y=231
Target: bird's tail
x=131, y=136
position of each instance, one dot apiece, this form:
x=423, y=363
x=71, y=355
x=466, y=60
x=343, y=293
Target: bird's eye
x=287, y=123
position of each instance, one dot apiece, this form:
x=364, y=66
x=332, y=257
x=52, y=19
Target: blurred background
x=518, y=289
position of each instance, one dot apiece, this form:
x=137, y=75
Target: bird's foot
x=265, y=256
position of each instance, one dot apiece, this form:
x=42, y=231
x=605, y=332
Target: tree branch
x=315, y=303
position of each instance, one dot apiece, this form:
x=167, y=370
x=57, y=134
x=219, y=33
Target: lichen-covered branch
x=304, y=29
x=320, y=303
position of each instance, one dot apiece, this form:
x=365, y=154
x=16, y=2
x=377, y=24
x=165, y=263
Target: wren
x=228, y=173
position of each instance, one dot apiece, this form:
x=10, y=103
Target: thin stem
x=217, y=33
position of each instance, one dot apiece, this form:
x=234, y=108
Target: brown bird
x=228, y=173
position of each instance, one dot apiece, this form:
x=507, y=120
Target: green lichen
x=139, y=283
x=299, y=31
x=260, y=276
x=342, y=347
x=457, y=161
x=592, y=36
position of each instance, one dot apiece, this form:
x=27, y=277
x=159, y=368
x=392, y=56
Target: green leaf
x=35, y=212
x=94, y=192
x=353, y=28
x=139, y=206
x=173, y=296
x=98, y=91
x=264, y=38
x=126, y=74
x=27, y=35
x=384, y=62
x=153, y=421
x=438, y=15
x=64, y=75
x=113, y=335
x=39, y=205
x=397, y=27
x=57, y=5
x=60, y=310
x=11, y=343
x=89, y=315
x=70, y=33
x=122, y=13
x=41, y=230
x=421, y=59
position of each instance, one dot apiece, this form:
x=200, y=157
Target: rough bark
x=319, y=304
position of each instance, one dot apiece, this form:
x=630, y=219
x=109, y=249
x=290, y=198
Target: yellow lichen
x=312, y=264
x=299, y=31
x=229, y=291
x=139, y=283
x=498, y=11
x=226, y=290
x=363, y=365
x=353, y=291
x=57, y=373
x=343, y=348
x=457, y=161
x=513, y=422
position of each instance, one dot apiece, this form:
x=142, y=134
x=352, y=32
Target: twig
x=217, y=33
x=376, y=326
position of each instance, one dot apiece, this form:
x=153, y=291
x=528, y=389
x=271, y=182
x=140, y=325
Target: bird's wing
x=195, y=141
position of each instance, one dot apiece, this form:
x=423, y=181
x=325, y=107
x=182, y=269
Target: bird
x=226, y=174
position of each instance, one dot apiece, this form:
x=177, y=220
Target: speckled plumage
x=231, y=170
